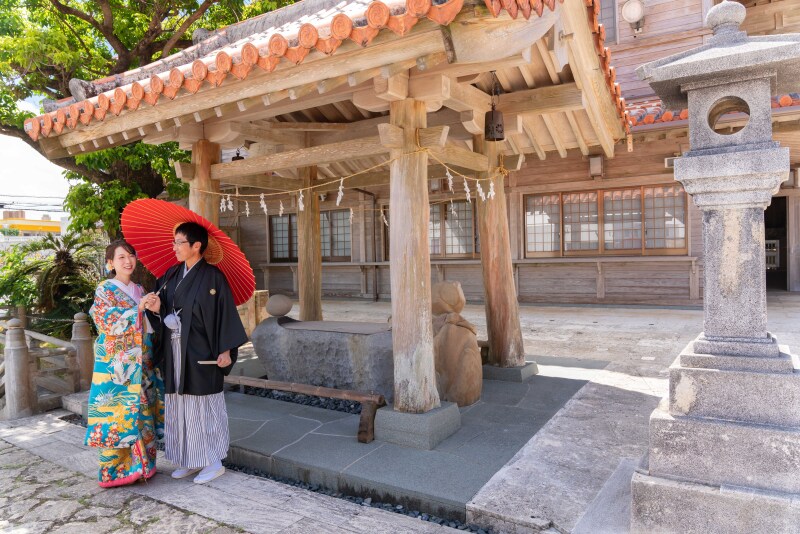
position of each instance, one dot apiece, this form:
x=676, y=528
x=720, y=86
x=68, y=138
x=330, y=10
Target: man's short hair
x=194, y=233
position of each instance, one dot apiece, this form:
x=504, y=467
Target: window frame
x=332, y=258
x=601, y=250
x=444, y=212
x=292, y=257
x=293, y=237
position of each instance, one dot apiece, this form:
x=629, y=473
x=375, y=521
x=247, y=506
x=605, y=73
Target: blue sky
x=26, y=172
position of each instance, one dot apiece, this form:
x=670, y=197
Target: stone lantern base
x=724, y=448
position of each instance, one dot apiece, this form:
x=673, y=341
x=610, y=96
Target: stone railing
x=35, y=376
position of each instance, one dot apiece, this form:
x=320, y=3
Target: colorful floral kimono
x=126, y=400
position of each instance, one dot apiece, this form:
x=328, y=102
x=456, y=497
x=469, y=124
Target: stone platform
x=319, y=446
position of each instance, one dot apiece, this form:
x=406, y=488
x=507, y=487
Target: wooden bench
x=370, y=402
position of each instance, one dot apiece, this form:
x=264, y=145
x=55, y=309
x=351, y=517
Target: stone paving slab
x=319, y=446
x=39, y=494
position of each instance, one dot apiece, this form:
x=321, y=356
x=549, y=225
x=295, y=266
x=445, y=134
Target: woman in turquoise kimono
x=126, y=400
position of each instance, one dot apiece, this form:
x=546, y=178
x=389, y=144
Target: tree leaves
x=45, y=43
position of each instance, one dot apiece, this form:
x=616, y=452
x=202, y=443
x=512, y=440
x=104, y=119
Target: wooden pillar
x=204, y=154
x=793, y=242
x=412, y=332
x=309, y=251
x=500, y=297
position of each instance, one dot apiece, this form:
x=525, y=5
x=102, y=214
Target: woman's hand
x=153, y=302
x=224, y=359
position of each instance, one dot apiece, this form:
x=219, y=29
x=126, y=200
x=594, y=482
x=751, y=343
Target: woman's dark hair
x=112, y=248
x=194, y=233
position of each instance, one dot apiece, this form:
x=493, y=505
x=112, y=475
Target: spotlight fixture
x=494, y=129
x=633, y=14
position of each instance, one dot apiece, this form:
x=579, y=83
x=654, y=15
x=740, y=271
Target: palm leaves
x=66, y=269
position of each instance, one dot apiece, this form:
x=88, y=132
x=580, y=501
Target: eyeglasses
x=178, y=243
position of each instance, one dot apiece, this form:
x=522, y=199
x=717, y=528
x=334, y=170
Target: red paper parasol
x=149, y=225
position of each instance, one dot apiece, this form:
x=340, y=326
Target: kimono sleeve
x=228, y=329
x=110, y=318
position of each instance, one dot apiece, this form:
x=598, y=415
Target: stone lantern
x=725, y=449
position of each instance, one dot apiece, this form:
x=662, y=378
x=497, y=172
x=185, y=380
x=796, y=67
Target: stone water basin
x=336, y=354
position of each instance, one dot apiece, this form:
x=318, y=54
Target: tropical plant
x=66, y=270
x=17, y=288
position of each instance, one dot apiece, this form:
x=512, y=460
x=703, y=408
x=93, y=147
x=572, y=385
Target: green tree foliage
x=17, y=287
x=66, y=270
x=46, y=43
x=9, y=231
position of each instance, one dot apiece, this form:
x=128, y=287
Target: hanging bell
x=494, y=129
x=238, y=156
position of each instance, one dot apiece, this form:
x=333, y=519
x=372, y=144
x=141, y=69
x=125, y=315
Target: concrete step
x=57, y=360
x=610, y=511
x=664, y=505
x=782, y=362
x=77, y=403
x=49, y=401
x=53, y=371
x=724, y=452
x=718, y=394
x=55, y=384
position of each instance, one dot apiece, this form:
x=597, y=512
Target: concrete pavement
x=48, y=483
x=572, y=468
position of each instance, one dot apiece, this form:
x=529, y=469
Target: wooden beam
x=365, y=180
x=393, y=136
x=532, y=136
x=585, y=67
x=453, y=155
x=492, y=39
x=264, y=181
x=573, y=124
x=542, y=100
x=474, y=122
x=553, y=131
x=350, y=58
x=366, y=99
x=513, y=163
x=465, y=97
x=434, y=88
x=187, y=135
x=236, y=133
x=301, y=157
x=309, y=126
x=184, y=171
x=393, y=88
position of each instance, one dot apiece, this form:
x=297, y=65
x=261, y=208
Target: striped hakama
x=196, y=426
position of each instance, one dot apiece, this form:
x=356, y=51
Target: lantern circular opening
x=727, y=108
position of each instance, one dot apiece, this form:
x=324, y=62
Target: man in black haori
x=198, y=322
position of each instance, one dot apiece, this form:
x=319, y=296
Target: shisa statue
x=459, y=372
